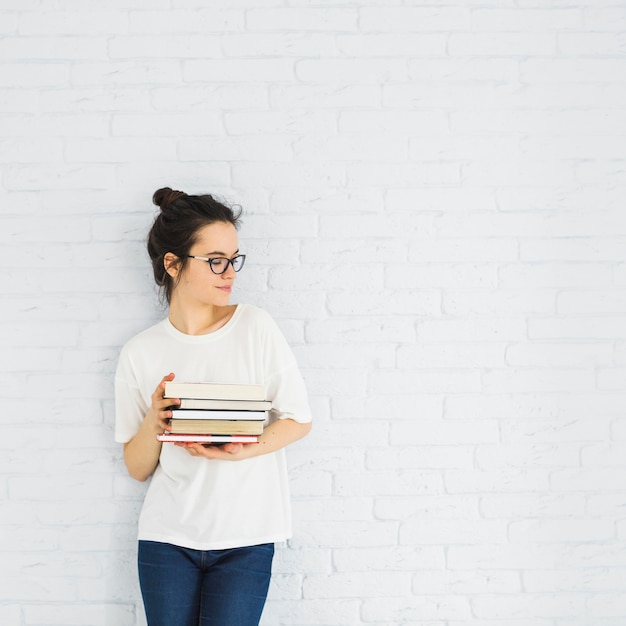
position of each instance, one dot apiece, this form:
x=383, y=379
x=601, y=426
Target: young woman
x=211, y=514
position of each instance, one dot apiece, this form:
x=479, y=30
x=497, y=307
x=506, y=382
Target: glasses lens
x=238, y=262
x=218, y=265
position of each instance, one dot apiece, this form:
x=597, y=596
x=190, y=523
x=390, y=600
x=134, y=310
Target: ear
x=170, y=263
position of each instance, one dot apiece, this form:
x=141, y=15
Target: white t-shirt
x=195, y=502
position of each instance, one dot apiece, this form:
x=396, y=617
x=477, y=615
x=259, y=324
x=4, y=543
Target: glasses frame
x=210, y=261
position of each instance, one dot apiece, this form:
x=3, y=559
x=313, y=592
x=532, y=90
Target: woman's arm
x=141, y=453
x=277, y=435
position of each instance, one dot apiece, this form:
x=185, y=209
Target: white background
x=434, y=213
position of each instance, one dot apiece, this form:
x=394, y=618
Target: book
x=214, y=391
x=206, y=414
x=224, y=405
x=216, y=427
x=207, y=439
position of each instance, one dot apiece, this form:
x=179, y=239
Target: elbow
x=305, y=429
x=138, y=471
x=138, y=476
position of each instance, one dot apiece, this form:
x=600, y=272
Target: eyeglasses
x=219, y=264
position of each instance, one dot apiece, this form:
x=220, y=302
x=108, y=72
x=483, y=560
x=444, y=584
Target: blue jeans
x=184, y=587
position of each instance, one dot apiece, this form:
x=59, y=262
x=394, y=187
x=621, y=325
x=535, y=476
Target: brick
x=398, y=558
x=460, y=250
x=55, y=125
x=224, y=97
x=340, y=612
x=577, y=327
x=450, y=532
x=406, y=406
x=609, y=18
x=434, y=582
x=30, y=151
x=518, y=380
x=446, y=199
x=343, y=70
x=584, y=479
x=405, y=483
x=171, y=47
x=427, y=507
x=527, y=20
x=404, y=122
x=443, y=275
x=528, y=455
x=396, y=225
x=532, y=506
x=93, y=99
x=259, y=123
x=559, y=530
x=502, y=44
x=414, y=19
x=585, y=70
x=417, y=608
x=323, y=96
x=231, y=149
x=270, y=174
x=237, y=70
x=72, y=22
x=303, y=19
x=418, y=302
x=295, y=43
x=537, y=605
x=76, y=615
x=195, y=19
x=118, y=150
x=185, y=124
x=18, y=101
x=350, y=585
x=551, y=354
x=502, y=302
x=507, y=480
x=53, y=48
x=423, y=456
x=366, y=45
x=372, y=147
x=464, y=69
x=11, y=614
x=445, y=432
x=44, y=177
x=472, y=330
x=569, y=250
x=611, y=378
x=362, y=533
x=125, y=73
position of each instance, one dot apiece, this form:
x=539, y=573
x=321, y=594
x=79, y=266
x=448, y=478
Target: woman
x=211, y=514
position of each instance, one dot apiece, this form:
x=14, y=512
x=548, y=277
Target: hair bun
x=165, y=197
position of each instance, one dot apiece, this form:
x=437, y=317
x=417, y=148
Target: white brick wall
x=434, y=212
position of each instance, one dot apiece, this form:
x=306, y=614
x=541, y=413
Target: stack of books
x=216, y=413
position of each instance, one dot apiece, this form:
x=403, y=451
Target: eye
x=218, y=262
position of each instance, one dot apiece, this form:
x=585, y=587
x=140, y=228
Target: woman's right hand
x=160, y=412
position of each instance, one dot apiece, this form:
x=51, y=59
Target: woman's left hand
x=225, y=452
x=275, y=436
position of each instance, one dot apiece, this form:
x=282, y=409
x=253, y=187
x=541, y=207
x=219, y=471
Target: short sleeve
x=130, y=406
x=285, y=385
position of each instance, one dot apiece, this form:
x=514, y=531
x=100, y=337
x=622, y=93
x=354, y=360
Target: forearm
x=141, y=453
x=277, y=435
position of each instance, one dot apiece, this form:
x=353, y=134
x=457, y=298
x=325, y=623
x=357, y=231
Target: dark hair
x=176, y=227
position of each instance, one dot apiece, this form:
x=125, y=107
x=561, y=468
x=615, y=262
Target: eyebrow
x=219, y=252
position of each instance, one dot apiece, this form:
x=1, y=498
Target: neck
x=199, y=320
